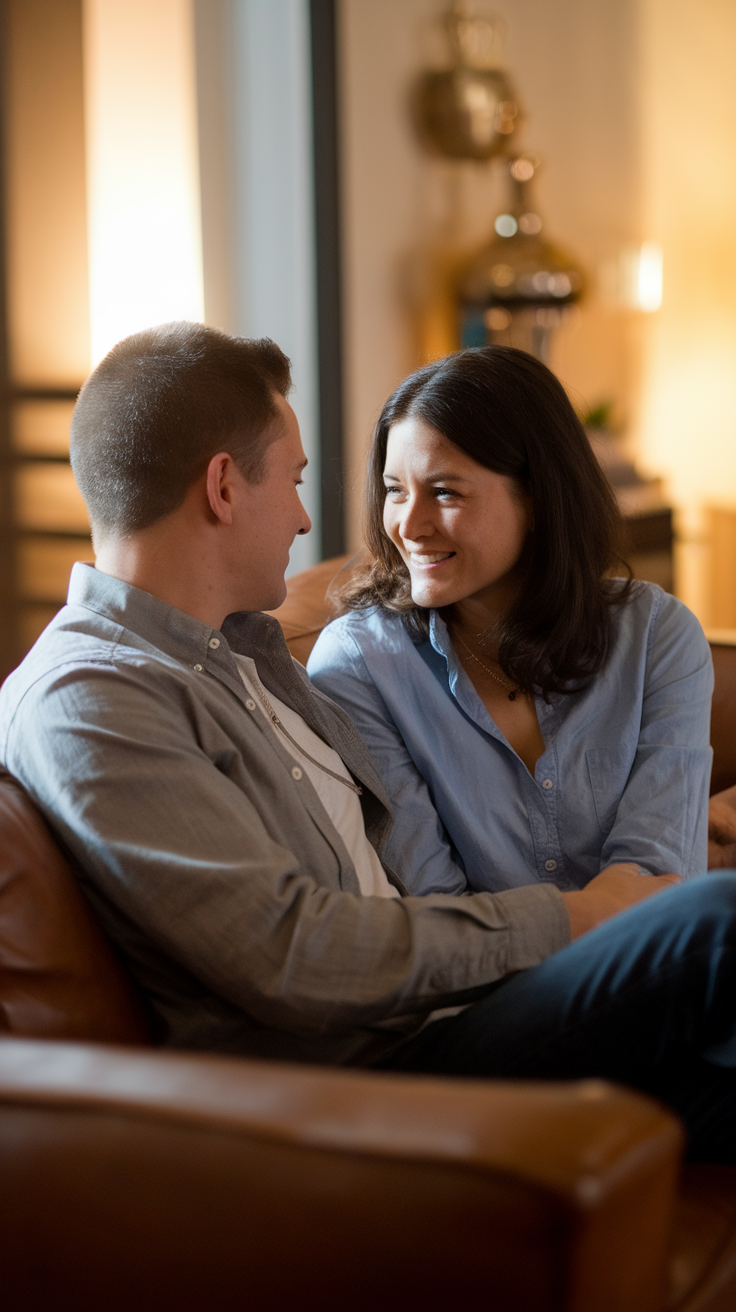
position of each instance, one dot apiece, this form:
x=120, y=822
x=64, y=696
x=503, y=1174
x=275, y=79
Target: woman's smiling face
x=460, y=528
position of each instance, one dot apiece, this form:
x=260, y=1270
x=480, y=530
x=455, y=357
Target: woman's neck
x=473, y=616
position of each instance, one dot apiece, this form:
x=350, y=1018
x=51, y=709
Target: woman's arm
x=418, y=849
x=662, y=817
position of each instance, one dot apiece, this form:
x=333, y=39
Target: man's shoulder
x=75, y=646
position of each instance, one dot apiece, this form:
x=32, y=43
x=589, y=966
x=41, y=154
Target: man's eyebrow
x=302, y=463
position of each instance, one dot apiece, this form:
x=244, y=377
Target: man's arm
x=613, y=890
x=158, y=826
x=126, y=774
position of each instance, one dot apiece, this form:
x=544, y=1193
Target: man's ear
x=219, y=486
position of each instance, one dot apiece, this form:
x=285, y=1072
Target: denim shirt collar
x=465, y=694
x=439, y=637
x=460, y=685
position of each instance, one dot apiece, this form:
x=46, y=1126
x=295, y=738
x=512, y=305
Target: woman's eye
x=389, y=490
x=445, y=492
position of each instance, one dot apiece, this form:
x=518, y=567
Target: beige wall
x=687, y=422
x=631, y=105
x=576, y=66
x=145, y=240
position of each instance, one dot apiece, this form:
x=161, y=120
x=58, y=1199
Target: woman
x=532, y=717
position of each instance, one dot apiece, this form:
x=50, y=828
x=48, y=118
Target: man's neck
x=161, y=561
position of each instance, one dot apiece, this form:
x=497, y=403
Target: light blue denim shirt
x=624, y=775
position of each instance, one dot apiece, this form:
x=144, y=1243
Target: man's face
x=268, y=515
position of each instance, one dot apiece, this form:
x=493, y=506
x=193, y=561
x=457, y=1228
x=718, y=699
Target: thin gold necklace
x=509, y=688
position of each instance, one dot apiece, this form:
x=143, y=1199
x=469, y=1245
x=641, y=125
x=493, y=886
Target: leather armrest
x=224, y=1175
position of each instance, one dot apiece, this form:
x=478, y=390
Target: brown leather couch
x=132, y=1177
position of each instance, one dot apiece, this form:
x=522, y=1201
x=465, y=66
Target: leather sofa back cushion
x=59, y=976
x=307, y=607
x=723, y=717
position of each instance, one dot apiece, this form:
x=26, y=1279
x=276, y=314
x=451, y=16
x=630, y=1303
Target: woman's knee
x=708, y=894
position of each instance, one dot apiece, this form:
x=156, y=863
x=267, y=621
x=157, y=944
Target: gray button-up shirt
x=218, y=874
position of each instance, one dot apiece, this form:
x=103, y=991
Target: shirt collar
x=439, y=637
x=249, y=633
x=195, y=644
x=163, y=626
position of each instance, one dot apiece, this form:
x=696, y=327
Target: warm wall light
x=633, y=278
x=649, y=277
x=145, y=255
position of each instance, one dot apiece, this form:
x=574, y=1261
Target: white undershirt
x=341, y=804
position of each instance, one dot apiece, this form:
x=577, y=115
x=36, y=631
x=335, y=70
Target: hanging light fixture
x=519, y=286
x=469, y=110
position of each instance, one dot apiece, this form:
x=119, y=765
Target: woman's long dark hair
x=509, y=413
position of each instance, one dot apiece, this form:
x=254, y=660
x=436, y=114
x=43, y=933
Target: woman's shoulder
x=662, y=617
x=649, y=599
x=373, y=624
x=357, y=635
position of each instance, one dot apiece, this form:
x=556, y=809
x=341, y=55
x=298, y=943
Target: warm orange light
x=145, y=256
x=648, y=289
x=687, y=420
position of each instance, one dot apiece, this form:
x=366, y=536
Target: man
x=227, y=822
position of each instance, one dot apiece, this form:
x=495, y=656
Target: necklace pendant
x=512, y=695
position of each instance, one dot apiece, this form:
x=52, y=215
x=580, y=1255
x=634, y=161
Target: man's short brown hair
x=159, y=406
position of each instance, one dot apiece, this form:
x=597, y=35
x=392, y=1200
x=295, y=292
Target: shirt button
x=550, y=865
x=214, y=643
x=296, y=772
x=250, y=704
x=548, y=783
x=199, y=668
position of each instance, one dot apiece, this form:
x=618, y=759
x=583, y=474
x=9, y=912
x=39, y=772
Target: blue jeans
x=646, y=999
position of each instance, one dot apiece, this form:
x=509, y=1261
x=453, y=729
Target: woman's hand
x=613, y=890
x=722, y=830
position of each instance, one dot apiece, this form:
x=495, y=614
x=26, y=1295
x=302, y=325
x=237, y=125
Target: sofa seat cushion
x=702, y=1265
x=59, y=975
